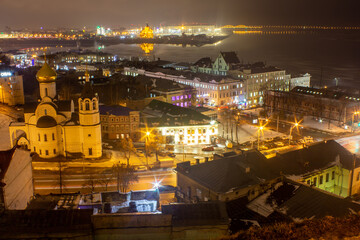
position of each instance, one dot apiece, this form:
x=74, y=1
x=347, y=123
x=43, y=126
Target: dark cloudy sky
x=115, y=13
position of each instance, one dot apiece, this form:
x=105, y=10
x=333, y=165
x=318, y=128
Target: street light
x=352, y=120
x=146, y=147
x=2, y=93
x=296, y=125
x=261, y=128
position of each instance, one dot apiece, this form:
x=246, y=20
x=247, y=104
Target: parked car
x=141, y=168
x=208, y=149
x=167, y=188
x=171, y=155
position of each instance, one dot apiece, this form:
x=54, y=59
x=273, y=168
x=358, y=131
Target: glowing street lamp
x=352, y=120
x=295, y=125
x=261, y=129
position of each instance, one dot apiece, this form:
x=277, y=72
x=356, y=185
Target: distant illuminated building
x=147, y=47
x=147, y=32
x=101, y=31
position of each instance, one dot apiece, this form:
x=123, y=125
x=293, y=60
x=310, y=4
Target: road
x=46, y=183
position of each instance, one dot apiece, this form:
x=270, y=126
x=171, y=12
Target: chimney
x=197, y=161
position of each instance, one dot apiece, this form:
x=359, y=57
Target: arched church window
x=94, y=105
x=87, y=105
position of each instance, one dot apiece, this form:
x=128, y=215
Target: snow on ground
x=4, y=132
x=309, y=121
x=247, y=132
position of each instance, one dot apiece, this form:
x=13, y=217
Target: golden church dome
x=46, y=74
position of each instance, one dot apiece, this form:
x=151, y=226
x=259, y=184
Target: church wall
x=72, y=139
x=47, y=89
x=48, y=146
x=92, y=140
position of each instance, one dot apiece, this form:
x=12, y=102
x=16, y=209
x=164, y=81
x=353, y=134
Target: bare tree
x=91, y=182
x=60, y=179
x=154, y=144
x=105, y=178
x=124, y=175
x=126, y=146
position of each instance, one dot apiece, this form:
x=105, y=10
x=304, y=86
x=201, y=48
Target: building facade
x=300, y=81
x=211, y=90
x=11, y=88
x=178, y=125
x=52, y=127
x=259, y=78
x=119, y=122
x=16, y=179
x=328, y=104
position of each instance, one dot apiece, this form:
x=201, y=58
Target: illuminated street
x=48, y=183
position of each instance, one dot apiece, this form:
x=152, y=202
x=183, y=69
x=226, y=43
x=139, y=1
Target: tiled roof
x=166, y=114
x=308, y=202
x=230, y=57
x=114, y=110
x=204, y=62
x=314, y=157
x=5, y=159
x=222, y=175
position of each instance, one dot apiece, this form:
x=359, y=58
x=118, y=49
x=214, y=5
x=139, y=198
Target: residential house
x=118, y=122
x=16, y=179
x=225, y=178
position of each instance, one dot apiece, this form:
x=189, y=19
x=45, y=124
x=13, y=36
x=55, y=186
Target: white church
x=51, y=127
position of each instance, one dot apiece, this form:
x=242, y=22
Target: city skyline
x=124, y=13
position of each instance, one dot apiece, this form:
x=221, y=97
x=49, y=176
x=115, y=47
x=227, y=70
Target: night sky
x=122, y=13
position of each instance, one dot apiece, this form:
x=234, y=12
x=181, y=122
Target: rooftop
x=224, y=174
x=114, y=110
x=166, y=114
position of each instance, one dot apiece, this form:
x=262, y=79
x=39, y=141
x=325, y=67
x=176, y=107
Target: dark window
x=54, y=151
x=94, y=105
x=45, y=138
x=358, y=177
x=46, y=152
x=89, y=135
x=332, y=175
x=315, y=181
x=90, y=151
x=34, y=149
x=327, y=177
x=87, y=105
x=39, y=137
x=46, y=92
x=53, y=136
x=40, y=152
x=45, y=111
x=321, y=180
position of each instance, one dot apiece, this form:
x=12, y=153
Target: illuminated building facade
x=11, y=88
x=178, y=125
x=147, y=32
x=52, y=127
x=258, y=79
x=211, y=90
x=119, y=122
x=223, y=63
